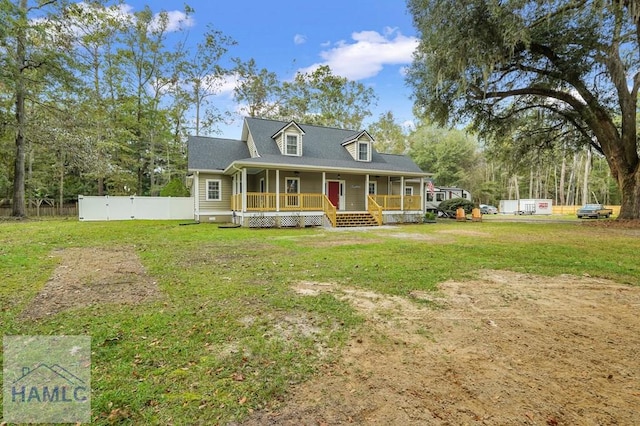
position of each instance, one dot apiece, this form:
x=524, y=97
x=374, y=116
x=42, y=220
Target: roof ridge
x=300, y=123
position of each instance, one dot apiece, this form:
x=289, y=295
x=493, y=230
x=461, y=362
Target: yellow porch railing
x=394, y=202
x=301, y=202
x=375, y=210
x=266, y=201
x=329, y=210
x=236, y=202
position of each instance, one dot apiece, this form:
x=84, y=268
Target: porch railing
x=329, y=210
x=266, y=201
x=375, y=210
x=394, y=202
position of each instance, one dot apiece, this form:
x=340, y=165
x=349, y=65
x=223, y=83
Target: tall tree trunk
x=570, y=188
x=18, y=207
x=585, y=181
x=629, y=184
x=563, y=171
x=61, y=189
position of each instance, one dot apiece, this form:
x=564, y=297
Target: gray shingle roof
x=206, y=153
x=321, y=147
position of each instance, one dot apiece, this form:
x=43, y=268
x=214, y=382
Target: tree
x=204, y=75
x=324, y=99
x=492, y=62
x=449, y=154
x=34, y=55
x=257, y=91
x=388, y=135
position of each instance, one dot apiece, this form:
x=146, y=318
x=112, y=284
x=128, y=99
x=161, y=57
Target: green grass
x=229, y=334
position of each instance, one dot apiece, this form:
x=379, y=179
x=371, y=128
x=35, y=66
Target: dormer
x=360, y=146
x=289, y=139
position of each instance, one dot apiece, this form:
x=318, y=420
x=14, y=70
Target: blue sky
x=367, y=41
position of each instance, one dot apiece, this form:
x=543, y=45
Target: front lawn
x=225, y=333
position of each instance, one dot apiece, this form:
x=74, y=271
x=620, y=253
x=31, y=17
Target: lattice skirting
x=391, y=218
x=313, y=220
x=285, y=221
x=262, y=222
x=289, y=221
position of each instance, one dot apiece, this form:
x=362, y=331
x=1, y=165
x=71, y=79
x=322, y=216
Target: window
x=408, y=190
x=363, y=151
x=429, y=196
x=292, y=145
x=439, y=196
x=373, y=188
x=292, y=189
x=214, y=190
x=293, y=185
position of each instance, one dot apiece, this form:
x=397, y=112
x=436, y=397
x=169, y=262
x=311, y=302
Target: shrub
x=455, y=203
x=175, y=188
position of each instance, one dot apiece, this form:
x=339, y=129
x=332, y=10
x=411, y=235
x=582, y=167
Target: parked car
x=488, y=209
x=595, y=211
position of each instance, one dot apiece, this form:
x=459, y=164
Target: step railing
x=329, y=210
x=375, y=210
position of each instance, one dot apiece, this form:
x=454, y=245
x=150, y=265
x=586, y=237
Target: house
x=291, y=174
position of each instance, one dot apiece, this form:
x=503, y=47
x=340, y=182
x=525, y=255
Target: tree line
x=97, y=101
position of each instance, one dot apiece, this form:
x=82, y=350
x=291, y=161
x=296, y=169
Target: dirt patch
x=464, y=232
x=507, y=348
x=88, y=276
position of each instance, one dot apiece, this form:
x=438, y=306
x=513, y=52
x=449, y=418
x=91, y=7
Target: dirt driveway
x=506, y=349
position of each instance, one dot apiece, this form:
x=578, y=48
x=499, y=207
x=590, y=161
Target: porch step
x=344, y=220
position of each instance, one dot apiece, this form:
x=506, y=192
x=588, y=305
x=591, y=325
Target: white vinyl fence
x=128, y=208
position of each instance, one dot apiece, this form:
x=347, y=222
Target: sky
x=368, y=41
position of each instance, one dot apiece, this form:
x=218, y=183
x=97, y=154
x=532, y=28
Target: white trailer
x=439, y=194
x=538, y=206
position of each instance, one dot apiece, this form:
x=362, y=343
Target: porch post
x=324, y=183
x=366, y=192
x=422, y=209
x=233, y=192
x=244, y=190
x=401, y=193
x=277, y=190
x=196, y=195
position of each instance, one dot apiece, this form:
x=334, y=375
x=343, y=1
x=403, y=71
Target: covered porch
x=291, y=197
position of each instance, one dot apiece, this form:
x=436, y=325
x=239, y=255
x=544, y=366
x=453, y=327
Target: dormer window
x=359, y=146
x=364, y=153
x=289, y=139
x=292, y=144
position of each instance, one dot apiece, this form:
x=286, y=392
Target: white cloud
x=176, y=20
x=299, y=39
x=367, y=53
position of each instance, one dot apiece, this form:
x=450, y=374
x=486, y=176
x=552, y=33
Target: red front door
x=334, y=193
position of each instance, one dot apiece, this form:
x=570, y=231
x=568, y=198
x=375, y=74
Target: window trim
x=368, y=146
x=206, y=186
x=375, y=187
x=298, y=152
x=286, y=181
